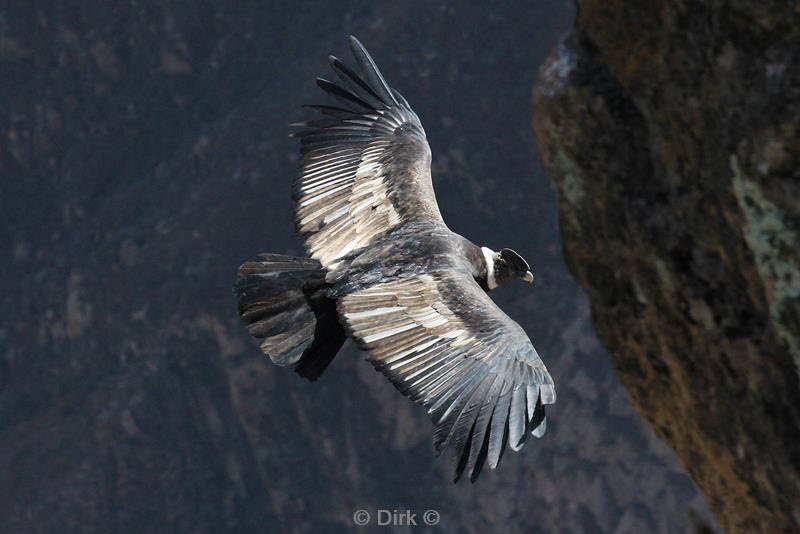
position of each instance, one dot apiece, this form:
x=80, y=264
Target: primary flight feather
x=385, y=270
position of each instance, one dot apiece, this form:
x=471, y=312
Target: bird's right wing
x=364, y=170
x=445, y=344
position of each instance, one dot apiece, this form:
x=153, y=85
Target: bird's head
x=504, y=266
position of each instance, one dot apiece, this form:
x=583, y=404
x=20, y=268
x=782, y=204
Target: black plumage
x=283, y=300
x=385, y=270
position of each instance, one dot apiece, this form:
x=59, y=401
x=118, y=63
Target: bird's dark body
x=409, y=250
x=278, y=278
x=386, y=271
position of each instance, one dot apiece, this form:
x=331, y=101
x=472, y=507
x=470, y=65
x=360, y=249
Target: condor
x=385, y=270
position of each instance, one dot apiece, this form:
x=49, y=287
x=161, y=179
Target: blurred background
x=144, y=155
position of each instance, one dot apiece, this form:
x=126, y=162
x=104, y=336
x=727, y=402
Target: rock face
x=670, y=130
x=144, y=156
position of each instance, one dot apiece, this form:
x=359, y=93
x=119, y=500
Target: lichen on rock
x=774, y=245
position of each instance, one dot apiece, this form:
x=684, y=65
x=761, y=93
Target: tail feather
x=328, y=339
x=282, y=300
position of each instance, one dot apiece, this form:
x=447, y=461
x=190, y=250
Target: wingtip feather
x=539, y=431
x=371, y=71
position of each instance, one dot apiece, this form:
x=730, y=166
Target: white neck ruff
x=490, y=256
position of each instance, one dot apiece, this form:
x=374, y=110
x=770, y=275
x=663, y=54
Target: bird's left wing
x=445, y=344
x=365, y=169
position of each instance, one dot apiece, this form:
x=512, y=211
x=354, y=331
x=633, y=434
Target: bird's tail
x=282, y=300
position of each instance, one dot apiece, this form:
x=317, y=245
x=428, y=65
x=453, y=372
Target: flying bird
x=386, y=271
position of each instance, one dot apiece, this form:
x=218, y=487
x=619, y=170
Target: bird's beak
x=528, y=277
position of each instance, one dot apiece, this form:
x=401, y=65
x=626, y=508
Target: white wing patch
x=415, y=303
x=344, y=200
x=406, y=325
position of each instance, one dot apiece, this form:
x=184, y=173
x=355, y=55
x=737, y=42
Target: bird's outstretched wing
x=445, y=344
x=365, y=169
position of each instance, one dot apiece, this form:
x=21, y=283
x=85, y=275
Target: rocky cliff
x=670, y=130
